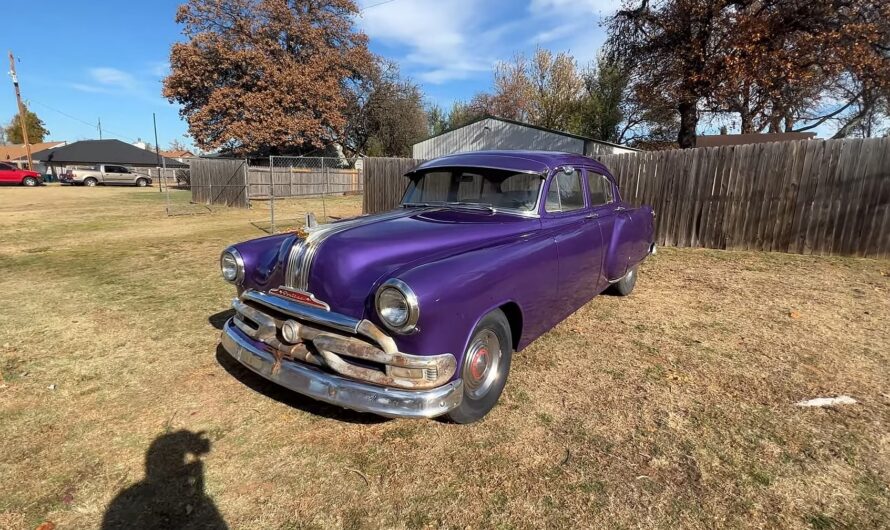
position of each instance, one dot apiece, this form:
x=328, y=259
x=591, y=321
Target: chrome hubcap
x=482, y=363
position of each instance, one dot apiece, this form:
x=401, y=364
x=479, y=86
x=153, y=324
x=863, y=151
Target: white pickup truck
x=104, y=174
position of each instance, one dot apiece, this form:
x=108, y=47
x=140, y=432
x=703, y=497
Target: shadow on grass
x=172, y=493
x=218, y=320
x=288, y=397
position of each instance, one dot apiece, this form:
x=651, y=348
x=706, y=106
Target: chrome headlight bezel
x=411, y=302
x=239, y=265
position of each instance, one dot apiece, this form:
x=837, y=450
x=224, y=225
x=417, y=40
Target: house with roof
x=92, y=152
x=17, y=154
x=495, y=133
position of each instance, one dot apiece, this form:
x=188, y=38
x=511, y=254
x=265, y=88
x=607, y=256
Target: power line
x=75, y=118
x=375, y=5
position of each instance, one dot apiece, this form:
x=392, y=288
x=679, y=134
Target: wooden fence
x=804, y=197
x=219, y=181
x=301, y=182
x=384, y=182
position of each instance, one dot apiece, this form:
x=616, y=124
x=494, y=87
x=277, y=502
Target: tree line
x=270, y=77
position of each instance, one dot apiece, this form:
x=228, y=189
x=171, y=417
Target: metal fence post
x=324, y=208
x=272, y=192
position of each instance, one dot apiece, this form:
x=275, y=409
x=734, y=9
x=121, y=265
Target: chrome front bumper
x=363, y=397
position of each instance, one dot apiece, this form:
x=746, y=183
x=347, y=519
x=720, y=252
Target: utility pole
x=18, y=97
x=100, y=127
x=162, y=162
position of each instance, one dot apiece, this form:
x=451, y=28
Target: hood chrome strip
x=303, y=252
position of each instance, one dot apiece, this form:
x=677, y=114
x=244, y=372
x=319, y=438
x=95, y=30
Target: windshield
x=496, y=188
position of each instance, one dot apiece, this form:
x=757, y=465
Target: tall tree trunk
x=688, y=124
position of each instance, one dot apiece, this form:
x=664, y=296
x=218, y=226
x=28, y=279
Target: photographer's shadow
x=172, y=493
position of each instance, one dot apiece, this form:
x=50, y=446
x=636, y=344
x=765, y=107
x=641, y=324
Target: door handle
x=591, y=216
x=620, y=208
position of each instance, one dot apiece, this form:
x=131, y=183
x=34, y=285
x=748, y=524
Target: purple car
x=416, y=312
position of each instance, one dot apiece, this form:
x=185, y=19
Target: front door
x=115, y=174
x=578, y=239
x=9, y=174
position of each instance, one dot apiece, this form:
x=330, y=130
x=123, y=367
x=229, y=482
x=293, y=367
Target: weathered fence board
x=384, y=182
x=219, y=181
x=302, y=182
x=807, y=197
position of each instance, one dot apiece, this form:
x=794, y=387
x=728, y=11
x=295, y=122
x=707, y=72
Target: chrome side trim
x=340, y=391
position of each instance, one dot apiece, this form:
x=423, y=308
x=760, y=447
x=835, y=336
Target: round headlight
x=231, y=265
x=397, y=306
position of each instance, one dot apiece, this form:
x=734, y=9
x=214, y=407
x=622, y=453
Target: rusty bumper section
x=296, y=335
x=337, y=390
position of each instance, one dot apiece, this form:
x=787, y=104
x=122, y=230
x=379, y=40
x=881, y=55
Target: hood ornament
x=303, y=231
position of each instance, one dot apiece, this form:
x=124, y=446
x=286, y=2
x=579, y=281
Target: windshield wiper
x=471, y=206
x=416, y=205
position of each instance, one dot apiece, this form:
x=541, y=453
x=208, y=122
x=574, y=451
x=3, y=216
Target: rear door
x=579, y=243
x=603, y=208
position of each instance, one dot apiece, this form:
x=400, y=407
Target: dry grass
x=669, y=408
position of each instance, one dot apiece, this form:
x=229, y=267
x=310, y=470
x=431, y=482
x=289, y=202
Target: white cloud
x=595, y=7
x=114, y=78
x=438, y=41
x=442, y=40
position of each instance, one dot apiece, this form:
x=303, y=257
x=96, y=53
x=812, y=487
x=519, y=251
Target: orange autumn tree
x=773, y=62
x=266, y=76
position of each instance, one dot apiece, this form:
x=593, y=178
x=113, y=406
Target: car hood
x=349, y=264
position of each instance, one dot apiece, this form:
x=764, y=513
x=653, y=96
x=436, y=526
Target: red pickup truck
x=10, y=174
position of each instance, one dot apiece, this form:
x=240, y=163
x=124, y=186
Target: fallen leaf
x=794, y=313
x=46, y=525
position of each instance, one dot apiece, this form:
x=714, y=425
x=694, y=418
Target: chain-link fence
x=287, y=181
x=278, y=190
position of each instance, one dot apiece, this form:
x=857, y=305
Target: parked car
x=416, y=312
x=109, y=174
x=10, y=174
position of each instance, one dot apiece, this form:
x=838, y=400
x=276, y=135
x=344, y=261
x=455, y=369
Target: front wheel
x=29, y=181
x=141, y=183
x=486, y=364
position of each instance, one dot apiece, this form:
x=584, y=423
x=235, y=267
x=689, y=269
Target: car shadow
x=288, y=397
x=172, y=493
x=218, y=320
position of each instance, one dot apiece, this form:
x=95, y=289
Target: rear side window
x=565, y=193
x=600, y=189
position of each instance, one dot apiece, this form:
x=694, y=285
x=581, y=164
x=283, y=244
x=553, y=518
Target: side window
x=565, y=193
x=5, y=167
x=600, y=189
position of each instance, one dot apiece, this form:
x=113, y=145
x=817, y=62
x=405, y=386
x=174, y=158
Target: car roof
x=519, y=160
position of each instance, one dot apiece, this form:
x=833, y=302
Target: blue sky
x=82, y=61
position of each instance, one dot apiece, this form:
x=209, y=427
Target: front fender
x=265, y=261
x=454, y=293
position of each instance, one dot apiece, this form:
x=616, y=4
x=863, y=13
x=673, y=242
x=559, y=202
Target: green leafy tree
x=37, y=131
x=436, y=119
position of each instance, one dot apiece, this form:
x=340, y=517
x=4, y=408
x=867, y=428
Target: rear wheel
x=625, y=285
x=29, y=181
x=141, y=183
x=90, y=181
x=486, y=364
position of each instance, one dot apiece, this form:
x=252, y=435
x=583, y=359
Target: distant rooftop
x=18, y=151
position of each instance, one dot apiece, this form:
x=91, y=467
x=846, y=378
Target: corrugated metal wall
x=491, y=133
